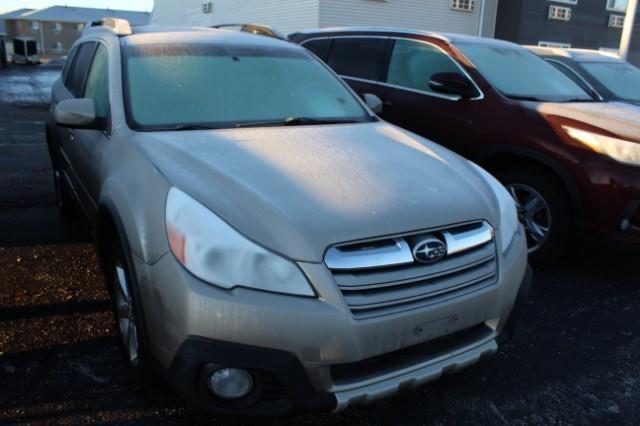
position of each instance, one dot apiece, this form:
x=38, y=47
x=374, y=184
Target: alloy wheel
x=125, y=316
x=534, y=214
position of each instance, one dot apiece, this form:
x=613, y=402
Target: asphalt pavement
x=574, y=360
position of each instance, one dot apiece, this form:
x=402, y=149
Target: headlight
x=508, y=211
x=618, y=149
x=216, y=253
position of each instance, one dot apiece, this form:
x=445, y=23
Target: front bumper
x=611, y=196
x=305, y=350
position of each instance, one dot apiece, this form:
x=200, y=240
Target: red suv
x=570, y=161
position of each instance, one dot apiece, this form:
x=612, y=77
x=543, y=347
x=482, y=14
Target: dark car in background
x=571, y=161
x=602, y=73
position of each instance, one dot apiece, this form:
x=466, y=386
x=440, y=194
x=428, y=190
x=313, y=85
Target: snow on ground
x=25, y=86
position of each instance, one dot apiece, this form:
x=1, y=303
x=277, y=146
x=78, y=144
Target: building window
x=207, y=7
x=58, y=46
x=57, y=27
x=616, y=21
x=466, y=5
x=554, y=44
x=35, y=25
x=565, y=1
x=617, y=5
x=79, y=27
x=560, y=13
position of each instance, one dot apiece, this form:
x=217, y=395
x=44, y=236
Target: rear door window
x=80, y=67
x=359, y=57
x=319, y=47
x=413, y=63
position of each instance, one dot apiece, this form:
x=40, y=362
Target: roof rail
x=120, y=27
x=259, y=29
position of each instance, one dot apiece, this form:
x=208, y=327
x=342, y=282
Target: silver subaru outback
x=268, y=242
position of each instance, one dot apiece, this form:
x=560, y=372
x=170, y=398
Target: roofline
x=22, y=11
x=612, y=55
x=26, y=16
x=449, y=38
x=567, y=53
x=186, y=29
x=557, y=51
x=389, y=30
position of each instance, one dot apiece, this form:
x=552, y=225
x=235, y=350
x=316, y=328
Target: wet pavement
x=574, y=360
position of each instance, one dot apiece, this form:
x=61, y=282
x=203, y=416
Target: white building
x=472, y=17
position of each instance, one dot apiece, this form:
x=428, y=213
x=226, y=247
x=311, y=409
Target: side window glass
x=413, y=63
x=319, y=47
x=97, y=85
x=80, y=67
x=573, y=76
x=68, y=64
x=358, y=57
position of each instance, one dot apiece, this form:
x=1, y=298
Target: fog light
x=230, y=383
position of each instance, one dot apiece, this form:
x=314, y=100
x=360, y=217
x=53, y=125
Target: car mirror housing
x=373, y=102
x=452, y=83
x=77, y=113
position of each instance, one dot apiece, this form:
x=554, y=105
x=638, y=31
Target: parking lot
x=574, y=359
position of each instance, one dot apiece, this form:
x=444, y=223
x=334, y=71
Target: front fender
x=135, y=197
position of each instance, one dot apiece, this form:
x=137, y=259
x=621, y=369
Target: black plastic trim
x=196, y=355
x=508, y=330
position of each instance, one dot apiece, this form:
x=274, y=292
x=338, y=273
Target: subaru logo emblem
x=429, y=250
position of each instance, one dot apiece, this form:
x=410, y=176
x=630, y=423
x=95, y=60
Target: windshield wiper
x=581, y=100
x=535, y=99
x=525, y=98
x=181, y=127
x=295, y=121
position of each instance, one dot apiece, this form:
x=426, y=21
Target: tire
x=64, y=201
x=127, y=312
x=543, y=209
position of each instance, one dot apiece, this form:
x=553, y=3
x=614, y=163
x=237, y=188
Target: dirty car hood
x=299, y=190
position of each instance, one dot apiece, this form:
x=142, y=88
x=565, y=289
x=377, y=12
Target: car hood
x=299, y=190
x=617, y=118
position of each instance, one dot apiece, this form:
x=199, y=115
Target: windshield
x=621, y=78
x=182, y=87
x=520, y=74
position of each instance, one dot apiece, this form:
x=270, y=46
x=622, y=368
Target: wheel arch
x=108, y=226
x=498, y=159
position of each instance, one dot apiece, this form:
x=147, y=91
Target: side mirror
x=373, y=102
x=452, y=83
x=77, y=113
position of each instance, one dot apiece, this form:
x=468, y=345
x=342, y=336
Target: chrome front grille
x=380, y=277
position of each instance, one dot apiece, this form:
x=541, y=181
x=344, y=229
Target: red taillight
x=177, y=243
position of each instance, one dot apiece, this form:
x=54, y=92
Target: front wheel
x=543, y=210
x=127, y=312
